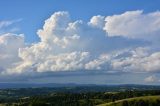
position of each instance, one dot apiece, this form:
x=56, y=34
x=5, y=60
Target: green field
x=151, y=100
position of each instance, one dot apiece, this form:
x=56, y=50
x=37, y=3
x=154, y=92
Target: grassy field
x=144, y=98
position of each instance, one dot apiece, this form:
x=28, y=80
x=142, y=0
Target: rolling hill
x=137, y=101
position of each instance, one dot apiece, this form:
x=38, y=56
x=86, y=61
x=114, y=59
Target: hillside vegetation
x=80, y=96
x=136, y=101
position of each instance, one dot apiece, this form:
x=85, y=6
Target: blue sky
x=34, y=12
x=85, y=41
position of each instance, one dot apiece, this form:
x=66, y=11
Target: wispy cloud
x=7, y=23
x=9, y=26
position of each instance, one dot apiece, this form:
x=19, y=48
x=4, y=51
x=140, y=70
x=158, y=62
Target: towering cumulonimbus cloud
x=50, y=54
x=67, y=45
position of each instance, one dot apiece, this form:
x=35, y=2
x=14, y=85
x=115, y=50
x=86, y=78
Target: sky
x=83, y=42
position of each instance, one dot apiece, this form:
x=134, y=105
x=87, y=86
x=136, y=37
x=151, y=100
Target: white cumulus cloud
x=9, y=47
x=138, y=61
x=97, y=21
x=151, y=79
x=134, y=24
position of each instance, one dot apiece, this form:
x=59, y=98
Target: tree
x=125, y=103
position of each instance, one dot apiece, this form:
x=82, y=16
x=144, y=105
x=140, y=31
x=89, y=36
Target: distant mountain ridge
x=39, y=85
x=33, y=85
